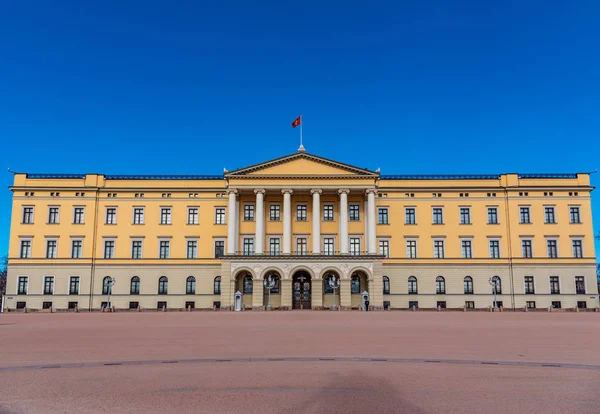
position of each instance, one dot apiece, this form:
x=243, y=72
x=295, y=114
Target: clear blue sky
x=411, y=87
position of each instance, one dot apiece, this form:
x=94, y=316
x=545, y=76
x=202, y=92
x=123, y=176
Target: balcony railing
x=301, y=253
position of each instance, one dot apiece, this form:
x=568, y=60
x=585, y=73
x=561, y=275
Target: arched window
x=105, y=285
x=190, y=286
x=412, y=285
x=134, y=288
x=247, y=284
x=163, y=285
x=217, y=286
x=355, y=285
x=440, y=285
x=386, y=285
x=468, y=285
x=498, y=284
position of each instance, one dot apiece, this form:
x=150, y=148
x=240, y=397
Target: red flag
x=296, y=121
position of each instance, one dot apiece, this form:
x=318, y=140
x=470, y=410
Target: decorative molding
x=287, y=268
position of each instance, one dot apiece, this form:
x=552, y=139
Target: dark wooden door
x=301, y=287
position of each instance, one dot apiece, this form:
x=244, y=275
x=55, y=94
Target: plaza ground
x=263, y=362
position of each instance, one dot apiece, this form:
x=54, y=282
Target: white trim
x=460, y=214
x=301, y=203
x=560, y=289
x=328, y=236
x=134, y=239
x=69, y=286
x=433, y=215
x=248, y=203
x=187, y=220
x=83, y=216
x=550, y=238
x=164, y=239
x=106, y=215
x=143, y=217
x=388, y=215
x=576, y=238
x=415, y=210
x=49, y=239
x=269, y=216
x=470, y=240
x=26, y=285
x=332, y=204
x=443, y=240
x=169, y=215
x=534, y=285
x=353, y=203
x=416, y=240
x=57, y=215
x=497, y=208
x=496, y=239
x=379, y=240
x=224, y=215
x=44, y=284
x=23, y=207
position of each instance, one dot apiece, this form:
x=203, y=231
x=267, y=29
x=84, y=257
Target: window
x=577, y=249
x=48, y=285
x=440, y=285
x=468, y=282
x=554, y=285
x=549, y=215
x=192, y=215
x=46, y=305
x=492, y=215
x=552, y=248
x=74, y=285
x=301, y=245
x=355, y=285
x=217, y=285
x=527, y=249
x=190, y=286
x=556, y=304
x=52, y=215
x=410, y=216
x=134, y=305
x=248, y=212
x=494, y=249
x=412, y=285
x=51, y=247
x=161, y=305
x=275, y=246
x=574, y=215
x=466, y=249
x=136, y=249
x=413, y=304
x=529, y=285
x=326, y=286
x=134, y=287
x=274, y=212
x=106, y=285
x=248, y=246
x=386, y=285
x=192, y=249
x=525, y=218
x=164, y=248
x=138, y=215
x=498, y=284
x=470, y=304
x=76, y=248
x=21, y=305
x=328, y=212
x=109, y=249
x=465, y=215
x=411, y=249
x=355, y=246
x=441, y=304
x=438, y=249
x=438, y=215
x=219, y=248
x=27, y=215
x=384, y=248
x=78, y=215
x=301, y=212
x=354, y=212
x=163, y=285
x=165, y=215
x=579, y=285
x=111, y=215
x=247, y=284
x=73, y=305
x=382, y=216
x=530, y=304
x=220, y=215
x=190, y=305
x=25, y=249
x=328, y=246
x=581, y=304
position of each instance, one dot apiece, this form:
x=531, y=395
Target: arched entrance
x=244, y=284
x=359, y=283
x=274, y=296
x=301, y=290
x=331, y=290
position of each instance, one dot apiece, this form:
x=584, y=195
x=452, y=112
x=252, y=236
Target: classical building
x=307, y=222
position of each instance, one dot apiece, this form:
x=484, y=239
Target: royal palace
x=324, y=233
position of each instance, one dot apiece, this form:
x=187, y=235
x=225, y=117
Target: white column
x=231, y=222
x=343, y=221
x=316, y=224
x=372, y=235
x=259, y=236
x=287, y=221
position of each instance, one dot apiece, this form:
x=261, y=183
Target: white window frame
x=433, y=215
x=141, y=240
x=496, y=239
x=196, y=216
x=32, y=214
x=349, y=208
x=488, y=208
x=327, y=236
x=214, y=245
x=578, y=207
x=387, y=209
x=44, y=284
x=416, y=240
x=534, y=285
x=553, y=207
x=414, y=208
x=530, y=239
x=74, y=239
x=253, y=209
x=57, y=214
x=383, y=239
x=443, y=240
x=332, y=205
x=106, y=215
x=48, y=239
x=296, y=211
x=69, y=286
x=528, y=207
x=296, y=238
x=21, y=240
x=189, y=239
x=169, y=215
x=164, y=239
x=547, y=239
x=109, y=239
x=575, y=238
x=575, y=284
x=354, y=237
x=278, y=237
x=460, y=215
x=26, y=285
x=248, y=237
x=143, y=216
x=83, y=216
x=469, y=239
x=560, y=288
x=224, y=214
x=271, y=205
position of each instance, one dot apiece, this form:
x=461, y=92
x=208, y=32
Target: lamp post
x=110, y=282
x=269, y=283
x=334, y=282
x=493, y=283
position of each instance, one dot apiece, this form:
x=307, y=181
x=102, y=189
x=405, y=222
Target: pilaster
x=345, y=296
x=257, y=294
x=286, y=294
x=317, y=294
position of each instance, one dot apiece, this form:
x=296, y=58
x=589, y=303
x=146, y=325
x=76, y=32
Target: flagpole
x=300, y=129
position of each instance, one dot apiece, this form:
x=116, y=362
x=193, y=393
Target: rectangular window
x=581, y=304
x=301, y=212
x=164, y=247
x=248, y=246
x=22, y=288
x=549, y=215
x=355, y=246
x=529, y=285
x=412, y=286
x=78, y=215
x=384, y=248
x=470, y=304
x=51, y=247
x=301, y=246
x=552, y=248
x=527, y=249
x=46, y=305
x=466, y=249
x=465, y=215
x=438, y=249
x=530, y=304
x=328, y=246
x=574, y=215
x=492, y=215
x=494, y=249
x=411, y=249
x=21, y=305
x=354, y=212
x=328, y=212
x=134, y=305
x=192, y=249
x=52, y=215
x=274, y=212
x=192, y=215
x=74, y=285
x=383, y=216
x=413, y=304
x=27, y=215
x=275, y=246
x=73, y=305
x=25, y=249
x=109, y=249
x=219, y=248
x=438, y=215
x=76, y=249
x=248, y=212
x=554, y=285
x=556, y=304
x=580, y=285
x=136, y=249
x=441, y=304
x=577, y=249
x=165, y=215
x=48, y=285
x=111, y=215
x=138, y=215
x=220, y=215
x=410, y=216
x=524, y=214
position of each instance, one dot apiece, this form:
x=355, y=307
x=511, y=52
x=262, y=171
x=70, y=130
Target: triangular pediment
x=301, y=164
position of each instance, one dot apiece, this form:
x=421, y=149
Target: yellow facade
x=386, y=231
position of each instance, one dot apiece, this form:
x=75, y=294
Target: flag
x=297, y=121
